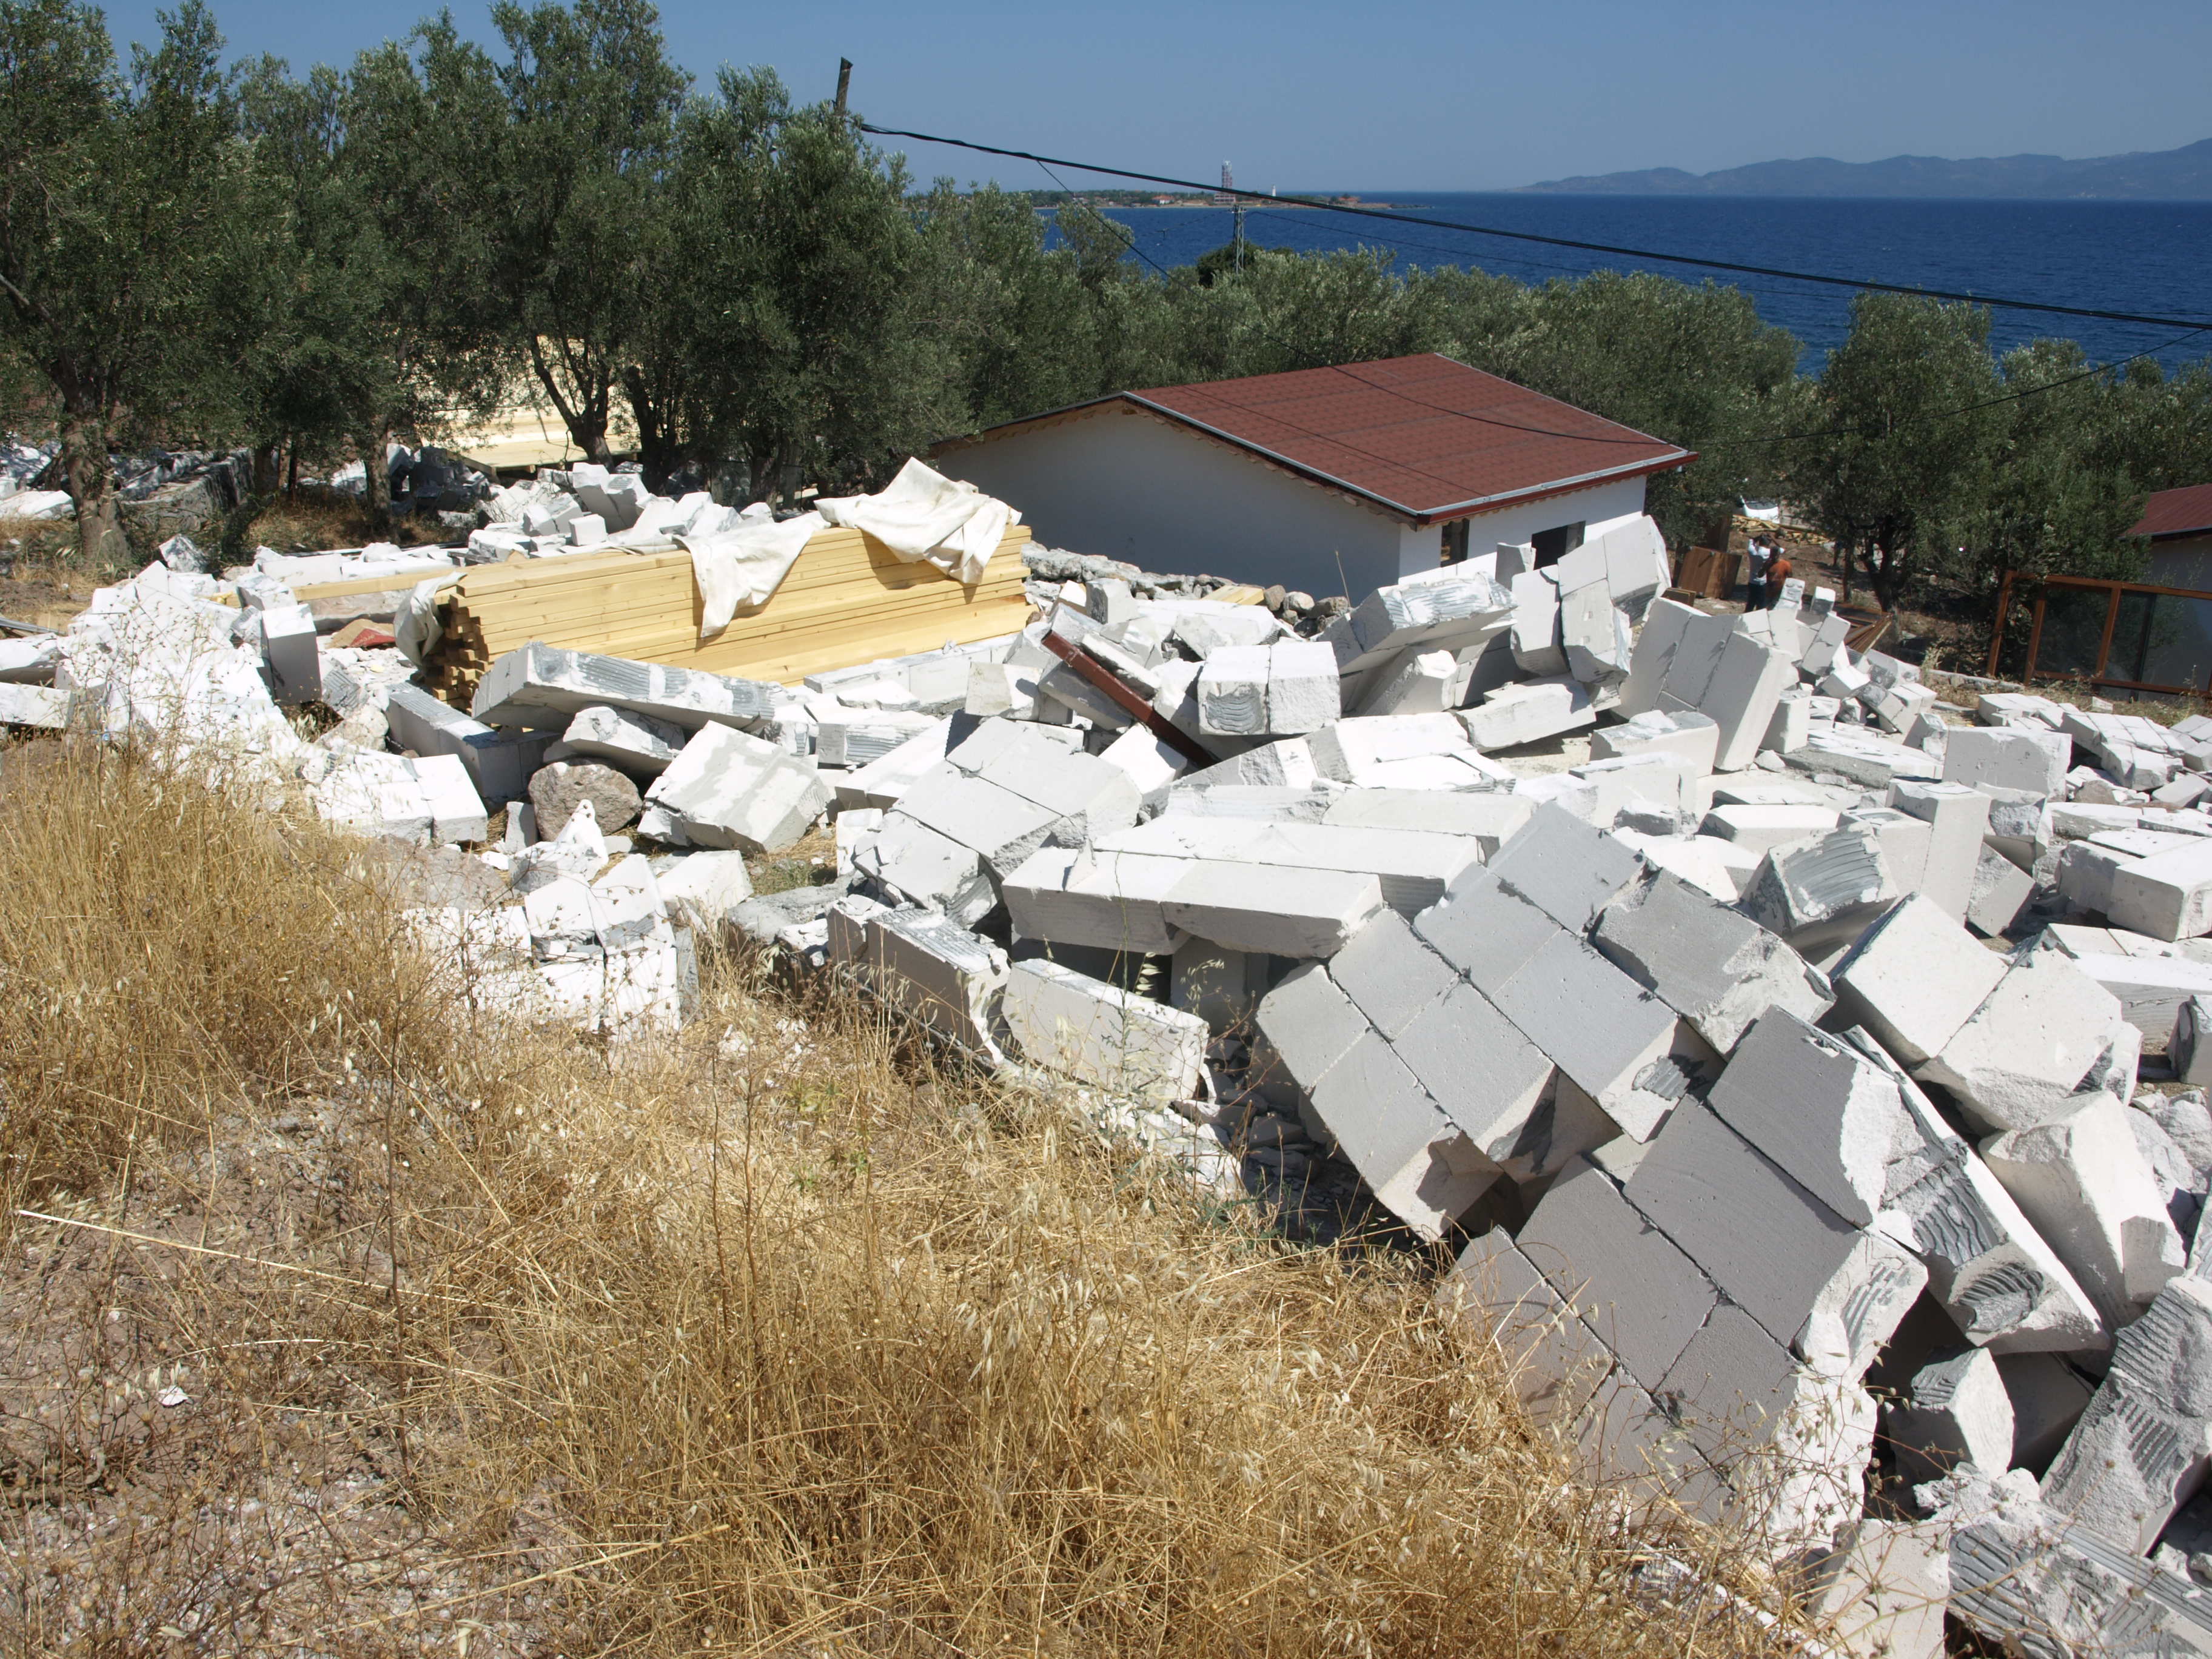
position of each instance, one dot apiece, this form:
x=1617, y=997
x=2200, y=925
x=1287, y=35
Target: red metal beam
x=1126, y=698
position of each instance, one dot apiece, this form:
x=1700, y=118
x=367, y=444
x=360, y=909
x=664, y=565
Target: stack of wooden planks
x=847, y=599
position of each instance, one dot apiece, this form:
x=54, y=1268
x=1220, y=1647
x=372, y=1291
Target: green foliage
x=1909, y=405
x=318, y=263
x=112, y=192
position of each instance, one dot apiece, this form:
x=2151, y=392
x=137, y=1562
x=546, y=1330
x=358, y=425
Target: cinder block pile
x=1811, y=1088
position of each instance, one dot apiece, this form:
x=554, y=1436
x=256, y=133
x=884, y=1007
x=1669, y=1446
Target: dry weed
x=357, y=1324
x=315, y=519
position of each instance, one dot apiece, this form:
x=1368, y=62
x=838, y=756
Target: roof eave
x=1483, y=504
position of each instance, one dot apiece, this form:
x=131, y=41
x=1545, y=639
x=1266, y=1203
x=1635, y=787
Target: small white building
x=1325, y=480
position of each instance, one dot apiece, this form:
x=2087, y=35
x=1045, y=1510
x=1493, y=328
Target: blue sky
x=1391, y=93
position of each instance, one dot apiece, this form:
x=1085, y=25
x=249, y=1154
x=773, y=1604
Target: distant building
x=2180, y=525
x=1226, y=195
x=1328, y=480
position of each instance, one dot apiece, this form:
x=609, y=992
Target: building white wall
x=1131, y=486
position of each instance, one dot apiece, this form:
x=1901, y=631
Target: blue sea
x=2149, y=257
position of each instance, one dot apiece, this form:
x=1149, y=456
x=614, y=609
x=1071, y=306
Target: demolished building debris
x=1809, y=1089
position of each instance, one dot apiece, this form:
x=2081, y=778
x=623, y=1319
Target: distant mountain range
x=2184, y=174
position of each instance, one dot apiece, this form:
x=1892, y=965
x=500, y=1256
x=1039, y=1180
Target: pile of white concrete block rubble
x=1811, y=1087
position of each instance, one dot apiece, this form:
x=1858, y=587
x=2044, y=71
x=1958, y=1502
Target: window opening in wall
x=1454, y=543
x=1552, y=545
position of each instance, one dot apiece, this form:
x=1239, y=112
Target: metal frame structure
x=2114, y=590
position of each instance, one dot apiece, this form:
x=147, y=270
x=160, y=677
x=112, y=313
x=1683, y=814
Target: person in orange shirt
x=1777, y=574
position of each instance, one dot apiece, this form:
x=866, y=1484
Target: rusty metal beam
x=1126, y=698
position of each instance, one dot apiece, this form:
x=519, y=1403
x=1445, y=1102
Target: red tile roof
x=2186, y=512
x=1425, y=437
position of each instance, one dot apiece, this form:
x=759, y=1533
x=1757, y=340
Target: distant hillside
x=2184, y=174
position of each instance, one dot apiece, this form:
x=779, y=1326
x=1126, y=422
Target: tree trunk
x=376, y=490
x=268, y=462
x=656, y=453
x=91, y=485
x=586, y=424
x=292, y=469
x=1844, y=566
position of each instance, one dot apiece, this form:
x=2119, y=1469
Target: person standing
x=1778, y=571
x=1756, y=561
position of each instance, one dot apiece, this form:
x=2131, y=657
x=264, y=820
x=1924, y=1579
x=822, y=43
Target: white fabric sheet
x=922, y=515
x=744, y=565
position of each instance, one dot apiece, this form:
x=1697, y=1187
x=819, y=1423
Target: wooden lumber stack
x=847, y=599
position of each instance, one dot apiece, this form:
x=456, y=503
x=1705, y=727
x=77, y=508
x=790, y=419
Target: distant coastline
x=2170, y=175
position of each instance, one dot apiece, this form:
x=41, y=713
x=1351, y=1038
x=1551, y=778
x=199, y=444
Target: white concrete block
x=702, y=889
x=2083, y=1180
x=1272, y=908
x=1759, y=828
x=2141, y=1448
x=1106, y=900
x=1955, y=1411
x=731, y=790
x=1347, y=747
x=1691, y=735
x=1418, y=683
x=1815, y=893
x=1099, y=1033
x=42, y=707
x=1489, y=1079
x=1303, y=694
x=1915, y=977
x=457, y=811
x=915, y=863
x=2011, y=758
x=1747, y=684
x=1490, y=818
x=1713, y=966
x=542, y=685
x=2001, y=890
x=2019, y=1060
x=1598, y=1026
x=1484, y=929
x=1873, y=760
x=1883, y=1590
x=1958, y=818
x=1308, y=1023
x=2167, y=895
x=1232, y=692
x=1527, y=711
x=638, y=743
x=1553, y=1362
x=289, y=648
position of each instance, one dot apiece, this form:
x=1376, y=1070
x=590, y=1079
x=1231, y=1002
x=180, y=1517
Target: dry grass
x=315, y=520
x=771, y=1340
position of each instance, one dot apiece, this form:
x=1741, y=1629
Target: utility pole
x=1239, y=210
x=844, y=81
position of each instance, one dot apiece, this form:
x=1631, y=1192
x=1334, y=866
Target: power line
x=1864, y=284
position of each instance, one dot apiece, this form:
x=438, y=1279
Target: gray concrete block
x=1485, y=929
x=1711, y=964
x=1308, y=1023
x=1220, y=986
x=500, y=763
x=2143, y=1447
x=1565, y=867
x=1622, y=1277
x=1760, y=828
x=1667, y=625
x=1747, y=684
x=1831, y=1120
x=1000, y=826
x=1598, y=1026
x=1769, y=1245
x=1882, y=1588
x=1552, y=1361
x=1489, y=1079
x=1391, y=974
x=1419, y=1165
x=1098, y=1033
x=1851, y=752
x=2047, y=1396
x=640, y=744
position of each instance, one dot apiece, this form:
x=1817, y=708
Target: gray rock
x=555, y=790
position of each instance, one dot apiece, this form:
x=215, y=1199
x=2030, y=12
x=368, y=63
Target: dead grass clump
x=315, y=519
x=771, y=1339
